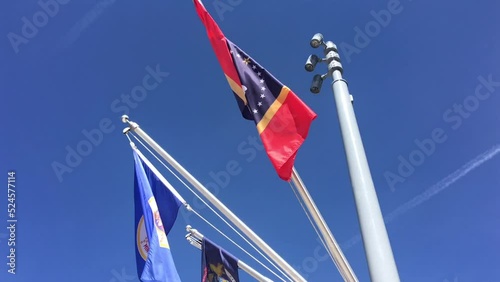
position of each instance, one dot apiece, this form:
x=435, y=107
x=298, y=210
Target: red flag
x=282, y=119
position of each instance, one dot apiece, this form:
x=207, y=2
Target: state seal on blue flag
x=153, y=222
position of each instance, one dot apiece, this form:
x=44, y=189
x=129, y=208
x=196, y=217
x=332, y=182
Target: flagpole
x=194, y=237
x=216, y=202
x=334, y=249
x=378, y=249
x=192, y=232
x=160, y=176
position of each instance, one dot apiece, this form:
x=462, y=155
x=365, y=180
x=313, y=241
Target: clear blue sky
x=68, y=76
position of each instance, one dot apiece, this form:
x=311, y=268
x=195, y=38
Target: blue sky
x=424, y=70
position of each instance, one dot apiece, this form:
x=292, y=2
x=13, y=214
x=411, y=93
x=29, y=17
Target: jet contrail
x=433, y=190
x=443, y=184
x=85, y=22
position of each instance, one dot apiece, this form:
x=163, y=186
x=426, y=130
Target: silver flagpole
x=216, y=202
x=378, y=249
x=193, y=232
x=194, y=237
x=334, y=249
x=160, y=176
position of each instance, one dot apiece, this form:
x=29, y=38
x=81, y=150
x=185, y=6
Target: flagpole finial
x=125, y=119
x=132, y=125
x=125, y=131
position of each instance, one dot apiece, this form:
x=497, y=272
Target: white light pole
x=381, y=263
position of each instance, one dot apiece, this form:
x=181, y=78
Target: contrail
x=443, y=184
x=85, y=22
x=433, y=190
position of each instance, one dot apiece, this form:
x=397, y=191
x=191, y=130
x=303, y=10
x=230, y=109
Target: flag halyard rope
x=216, y=213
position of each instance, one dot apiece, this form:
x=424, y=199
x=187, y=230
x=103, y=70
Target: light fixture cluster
x=332, y=58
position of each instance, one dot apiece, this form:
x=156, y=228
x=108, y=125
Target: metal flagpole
x=160, y=176
x=193, y=232
x=216, y=202
x=378, y=250
x=194, y=237
x=334, y=249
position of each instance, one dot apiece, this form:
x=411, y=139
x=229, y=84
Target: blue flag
x=217, y=264
x=155, y=213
